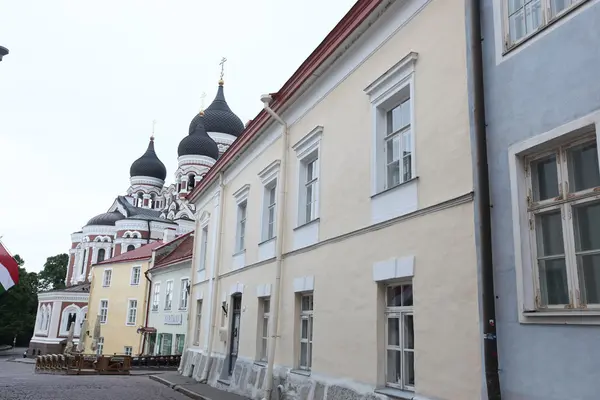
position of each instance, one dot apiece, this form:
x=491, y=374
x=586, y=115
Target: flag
x=9, y=270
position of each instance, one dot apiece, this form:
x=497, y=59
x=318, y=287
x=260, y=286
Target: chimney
x=168, y=235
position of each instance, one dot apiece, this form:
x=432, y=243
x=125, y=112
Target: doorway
x=235, y=330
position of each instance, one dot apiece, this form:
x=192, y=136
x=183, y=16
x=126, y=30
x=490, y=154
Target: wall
x=549, y=81
x=117, y=334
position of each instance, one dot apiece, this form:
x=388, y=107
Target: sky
x=85, y=79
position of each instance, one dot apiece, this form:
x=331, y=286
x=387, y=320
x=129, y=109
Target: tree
x=53, y=275
x=18, y=307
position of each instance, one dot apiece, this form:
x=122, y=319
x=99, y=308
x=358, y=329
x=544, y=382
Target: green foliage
x=53, y=275
x=18, y=307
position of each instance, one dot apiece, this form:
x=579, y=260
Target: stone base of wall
x=39, y=349
x=249, y=378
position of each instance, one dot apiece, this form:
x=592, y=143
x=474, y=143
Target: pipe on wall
x=483, y=227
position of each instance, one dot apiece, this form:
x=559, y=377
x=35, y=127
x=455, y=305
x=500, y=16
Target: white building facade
x=335, y=251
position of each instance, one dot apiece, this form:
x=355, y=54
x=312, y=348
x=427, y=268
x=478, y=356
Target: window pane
x=272, y=196
x=406, y=113
x=303, y=354
x=304, y=329
x=514, y=5
x=589, y=278
x=409, y=339
x=400, y=295
x=533, y=15
x=393, y=366
x=545, y=178
x=406, y=156
x=583, y=167
x=587, y=227
x=393, y=174
x=557, y=6
x=409, y=368
x=309, y=356
x=265, y=331
x=550, y=234
x=266, y=306
x=307, y=303
x=553, y=282
x=393, y=331
x=264, y=350
x=517, y=26
x=393, y=149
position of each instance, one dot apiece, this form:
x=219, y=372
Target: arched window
x=191, y=182
x=101, y=255
x=48, y=317
x=130, y=247
x=42, y=317
x=69, y=316
x=140, y=199
x=152, y=203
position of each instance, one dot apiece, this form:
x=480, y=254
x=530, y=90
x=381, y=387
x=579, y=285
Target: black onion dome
x=218, y=117
x=198, y=142
x=149, y=164
x=108, y=218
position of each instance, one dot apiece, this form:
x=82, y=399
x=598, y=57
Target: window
x=128, y=350
x=179, y=343
x=191, y=182
x=265, y=309
x=241, y=227
x=166, y=342
x=100, y=346
x=135, y=276
x=101, y=255
x=107, y=277
x=563, y=209
x=131, y=312
x=130, y=247
x=399, y=340
x=306, y=330
x=156, y=297
x=169, y=295
x=398, y=147
x=83, y=262
x=198, y=322
x=203, y=249
x=269, y=207
x=103, y=311
x=310, y=189
x=523, y=18
x=183, y=300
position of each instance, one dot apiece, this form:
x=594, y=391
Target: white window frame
x=100, y=346
x=308, y=150
x=263, y=331
x=103, y=311
x=128, y=350
x=133, y=281
x=203, y=248
x=169, y=295
x=131, y=312
x=242, y=220
x=106, y=277
x=198, y=323
x=269, y=178
x=547, y=19
x=64, y=319
x=155, y=296
x=184, y=296
x=392, y=88
x=397, y=312
x=308, y=316
x=519, y=154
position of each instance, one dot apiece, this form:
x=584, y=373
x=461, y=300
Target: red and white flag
x=9, y=270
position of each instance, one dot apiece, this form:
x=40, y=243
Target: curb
x=177, y=388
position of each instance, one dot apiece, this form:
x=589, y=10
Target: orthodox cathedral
x=149, y=211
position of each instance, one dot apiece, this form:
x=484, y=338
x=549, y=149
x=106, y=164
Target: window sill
x=128, y=324
x=134, y=284
x=303, y=372
x=182, y=309
x=224, y=382
x=238, y=253
x=398, y=186
x=314, y=221
x=567, y=317
x=267, y=241
x=395, y=393
x=261, y=363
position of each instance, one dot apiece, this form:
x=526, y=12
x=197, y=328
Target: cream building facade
x=118, y=297
x=335, y=241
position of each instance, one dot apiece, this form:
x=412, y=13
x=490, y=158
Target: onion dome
x=149, y=164
x=109, y=218
x=198, y=142
x=218, y=117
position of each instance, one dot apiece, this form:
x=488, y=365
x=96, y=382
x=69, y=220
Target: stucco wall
x=548, y=82
x=116, y=333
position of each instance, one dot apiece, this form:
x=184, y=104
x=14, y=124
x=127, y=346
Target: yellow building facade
x=118, y=297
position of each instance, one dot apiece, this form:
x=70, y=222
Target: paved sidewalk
x=193, y=389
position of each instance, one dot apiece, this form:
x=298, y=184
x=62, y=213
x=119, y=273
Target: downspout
x=483, y=229
x=213, y=284
x=148, y=294
x=281, y=185
x=148, y=239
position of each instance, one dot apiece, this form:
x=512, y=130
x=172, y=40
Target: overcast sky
x=84, y=80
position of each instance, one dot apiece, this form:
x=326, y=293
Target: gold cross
x=203, y=96
x=222, y=64
x=153, y=126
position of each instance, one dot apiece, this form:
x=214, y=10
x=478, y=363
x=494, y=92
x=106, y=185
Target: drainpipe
x=482, y=197
x=148, y=239
x=212, y=319
x=281, y=185
x=148, y=294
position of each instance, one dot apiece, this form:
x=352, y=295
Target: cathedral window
x=130, y=247
x=191, y=182
x=101, y=255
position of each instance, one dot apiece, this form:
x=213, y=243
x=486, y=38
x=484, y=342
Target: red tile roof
x=140, y=253
x=182, y=252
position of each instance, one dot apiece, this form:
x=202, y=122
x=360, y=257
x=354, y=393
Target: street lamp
x=3, y=52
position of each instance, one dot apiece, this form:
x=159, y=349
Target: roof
x=134, y=212
x=81, y=287
x=179, y=249
x=140, y=253
x=307, y=73
x=149, y=164
x=198, y=142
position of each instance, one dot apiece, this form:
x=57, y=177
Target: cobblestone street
x=18, y=382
